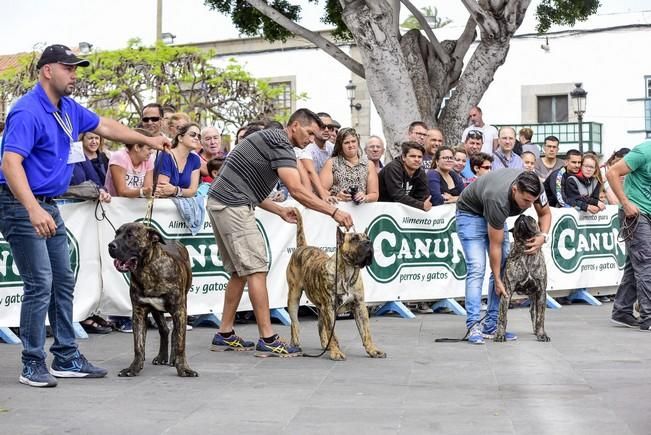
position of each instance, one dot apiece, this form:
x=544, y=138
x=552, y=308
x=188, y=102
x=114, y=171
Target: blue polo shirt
x=181, y=179
x=32, y=131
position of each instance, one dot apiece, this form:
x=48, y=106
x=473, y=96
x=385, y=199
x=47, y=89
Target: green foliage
x=564, y=12
x=431, y=14
x=119, y=83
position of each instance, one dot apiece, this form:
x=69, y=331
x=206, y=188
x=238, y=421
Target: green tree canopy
x=120, y=83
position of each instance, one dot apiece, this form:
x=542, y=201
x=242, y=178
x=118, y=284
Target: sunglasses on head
x=475, y=134
x=151, y=119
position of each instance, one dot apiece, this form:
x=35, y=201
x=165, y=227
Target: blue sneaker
x=508, y=336
x=232, y=343
x=475, y=336
x=35, y=374
x=278, y=349
x=124, y=325
x=78, y=367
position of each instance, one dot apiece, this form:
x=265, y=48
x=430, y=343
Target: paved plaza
x=592, y=378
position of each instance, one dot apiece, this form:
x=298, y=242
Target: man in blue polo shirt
x=38, y=153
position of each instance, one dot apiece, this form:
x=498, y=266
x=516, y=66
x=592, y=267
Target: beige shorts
x=239, y=240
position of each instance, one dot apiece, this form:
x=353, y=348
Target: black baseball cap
x=60, y=54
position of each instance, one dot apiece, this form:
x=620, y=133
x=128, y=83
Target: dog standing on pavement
x=311, y=269
x=161, y=276
x=527, y=275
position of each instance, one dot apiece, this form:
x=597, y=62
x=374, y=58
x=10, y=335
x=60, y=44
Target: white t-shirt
x=135, y=175
x=489, y=132
x=317, y=155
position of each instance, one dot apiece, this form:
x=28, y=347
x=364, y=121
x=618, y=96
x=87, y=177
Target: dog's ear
x=341, y=236
x=155, y=236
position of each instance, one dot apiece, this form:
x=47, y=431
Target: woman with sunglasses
x=347, y=175
x=179, y=169
x=480, y=164
x=445, y=185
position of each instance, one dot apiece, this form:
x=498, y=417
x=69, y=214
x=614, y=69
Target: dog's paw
x=160, y=360
x=186, y=372
x=543, y=337
x=376, y=353
x=337, y=355
x=499, y=338
x=128, y=373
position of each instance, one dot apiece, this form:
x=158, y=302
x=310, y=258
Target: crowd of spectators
x=337, y=166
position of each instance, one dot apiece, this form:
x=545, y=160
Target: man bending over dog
x=249, y=174
x=482, y=210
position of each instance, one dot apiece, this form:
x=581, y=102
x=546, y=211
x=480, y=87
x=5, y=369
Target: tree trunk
x=387, y=73
x=472, y=85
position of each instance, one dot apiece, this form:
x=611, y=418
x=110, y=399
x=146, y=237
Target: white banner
x=418, y=255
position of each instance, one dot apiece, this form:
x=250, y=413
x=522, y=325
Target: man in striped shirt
x=249, y=174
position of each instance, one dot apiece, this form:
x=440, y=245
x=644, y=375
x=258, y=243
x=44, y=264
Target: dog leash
x=334, y=304
x=465, y=337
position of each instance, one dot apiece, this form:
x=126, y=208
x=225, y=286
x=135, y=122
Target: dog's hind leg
x=361, y=319
x=164, y=332
x=294, y=292
x=139, y=317
x=539, y=320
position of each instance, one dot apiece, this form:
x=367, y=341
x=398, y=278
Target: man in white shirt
x=476, y=122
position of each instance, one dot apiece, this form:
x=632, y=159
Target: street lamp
x=167, y=38
x=578, y=101
x=350, y=92
x=85, y=47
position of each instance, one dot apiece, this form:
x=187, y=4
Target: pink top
x=135, y=175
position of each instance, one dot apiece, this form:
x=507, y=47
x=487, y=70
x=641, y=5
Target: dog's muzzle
x=121, y=264
x=366, y=254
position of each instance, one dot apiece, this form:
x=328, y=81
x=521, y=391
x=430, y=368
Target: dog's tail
x=300, y=234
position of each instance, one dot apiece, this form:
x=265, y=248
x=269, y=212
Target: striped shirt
x=250, y=171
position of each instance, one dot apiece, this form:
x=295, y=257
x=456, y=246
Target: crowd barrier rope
x=418, y=256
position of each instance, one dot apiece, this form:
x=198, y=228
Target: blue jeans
x=473, y=234
x=44, y=266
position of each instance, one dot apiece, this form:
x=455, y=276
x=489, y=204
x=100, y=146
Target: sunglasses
x=475, y=134
x=486, y=167
x=331, y=127
x=151, y=119
x=448, y=158
x=194, y=134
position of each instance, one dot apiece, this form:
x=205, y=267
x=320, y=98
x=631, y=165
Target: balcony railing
x=567, y=133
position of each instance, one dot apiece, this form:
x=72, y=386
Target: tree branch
x=463, y=44
x=314, y=38
x=436, y=45
x=485, y=22
x=515, y=12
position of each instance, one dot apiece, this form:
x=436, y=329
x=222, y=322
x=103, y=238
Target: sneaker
x=424, y=308
x=35, y=374
x=278, y=348
x=645, y=328
x=124, y=325
x=508, y=336
x=624, y=319
x=475, y=336
x=232, y=343
x=78, y=367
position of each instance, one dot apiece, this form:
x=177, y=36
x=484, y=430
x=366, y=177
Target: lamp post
x=578, y=100
x=85, y=47
x=350, y=92
x=167, y=38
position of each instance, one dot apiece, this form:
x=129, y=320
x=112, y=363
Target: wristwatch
x=545, y=236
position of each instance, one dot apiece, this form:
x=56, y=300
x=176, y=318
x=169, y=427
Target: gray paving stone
x=592, y=378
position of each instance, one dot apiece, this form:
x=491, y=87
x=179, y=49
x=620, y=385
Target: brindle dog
x=311, y=269
x=161, y=276
x=525, y=274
